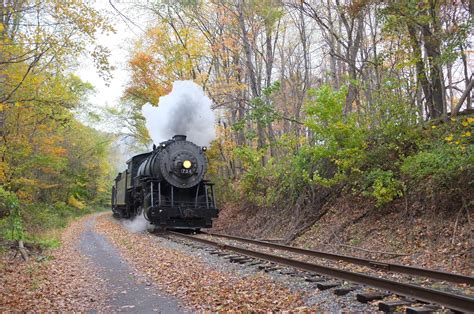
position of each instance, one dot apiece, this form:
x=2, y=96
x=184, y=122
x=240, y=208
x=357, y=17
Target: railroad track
x=391, y=267
x=414, y=293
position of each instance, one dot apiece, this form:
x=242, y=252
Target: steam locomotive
x=167, y=185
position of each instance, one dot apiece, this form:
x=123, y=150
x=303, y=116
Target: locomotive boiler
x=167, y=185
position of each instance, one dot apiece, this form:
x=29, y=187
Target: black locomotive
x=167, y=185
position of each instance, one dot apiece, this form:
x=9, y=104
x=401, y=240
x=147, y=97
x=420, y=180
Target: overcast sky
x=119, y=45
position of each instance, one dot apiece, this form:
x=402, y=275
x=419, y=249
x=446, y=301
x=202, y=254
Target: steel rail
x=411, y=270
x=449, y=300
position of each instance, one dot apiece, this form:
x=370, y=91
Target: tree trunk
x=332, y=47
x=22, y=250
x=250, y=70
x=420, y=69
x=433, y=52
x=466, y=75
x=450, y=86
x=351, y=57
x=463, y=97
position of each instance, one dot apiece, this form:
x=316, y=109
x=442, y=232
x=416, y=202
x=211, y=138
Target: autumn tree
x=368, y=72
x=437, y=32
x=47, y=157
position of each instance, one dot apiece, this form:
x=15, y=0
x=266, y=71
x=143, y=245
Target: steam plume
x=137, y=224
x=186, y=110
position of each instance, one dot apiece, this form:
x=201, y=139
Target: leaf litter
x=201, y=287
x=64, y=282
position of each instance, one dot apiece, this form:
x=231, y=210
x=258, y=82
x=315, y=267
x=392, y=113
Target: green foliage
x=251, y=182
x=40, y=216
x=383, y=186
x=439, y=164
x=338, y=139
x=446, y=153
x=29, y=221
x=279, y=177
x=381, y=157
x=262, y=110
x=10, y=204
x=46, y=242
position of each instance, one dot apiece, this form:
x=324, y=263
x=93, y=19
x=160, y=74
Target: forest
x=314, y=99
x=337, y=135
x=53, y=166
x=318, y=99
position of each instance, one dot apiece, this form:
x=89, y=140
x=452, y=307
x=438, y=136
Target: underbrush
x=390, y=157
x=36, y=223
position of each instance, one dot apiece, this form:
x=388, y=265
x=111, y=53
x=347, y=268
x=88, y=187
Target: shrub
x=12, y=225
x=441, y=164
x=383, y=186
x=33, y=222
x=338, y=139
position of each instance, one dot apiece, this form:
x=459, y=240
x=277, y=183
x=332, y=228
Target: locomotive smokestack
x=179, y=137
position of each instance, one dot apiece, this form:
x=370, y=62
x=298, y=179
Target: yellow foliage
x=449, y=138
x=24, y=196
x=3, y=168
x=466, y=134
x=162, y=56
x=74, y=202
x=46, y=186
x=26, y=182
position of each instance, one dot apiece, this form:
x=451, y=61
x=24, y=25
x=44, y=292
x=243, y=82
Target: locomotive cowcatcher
x=167, y=185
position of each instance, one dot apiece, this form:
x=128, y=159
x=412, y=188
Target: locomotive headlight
x=187, y=164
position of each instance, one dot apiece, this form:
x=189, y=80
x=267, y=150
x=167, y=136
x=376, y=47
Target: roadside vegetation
x=385, y=159
x=53, y=167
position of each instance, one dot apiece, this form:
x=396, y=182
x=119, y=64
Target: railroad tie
x=365, y=297
x=421, y=310
x=391, y=306
x=240, y=259
x=315, y=279
x=344, y=290
x=327, y=285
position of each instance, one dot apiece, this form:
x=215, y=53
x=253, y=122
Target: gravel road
x=127, y=292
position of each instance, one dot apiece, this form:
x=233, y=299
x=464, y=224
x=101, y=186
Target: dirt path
x=103, y=267
x=126, y=292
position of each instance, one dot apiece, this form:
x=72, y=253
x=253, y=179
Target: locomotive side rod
x=411, y=270
x=449, y=300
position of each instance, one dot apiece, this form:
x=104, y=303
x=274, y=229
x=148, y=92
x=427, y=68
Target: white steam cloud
x=137, y=224
x=185, y=111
